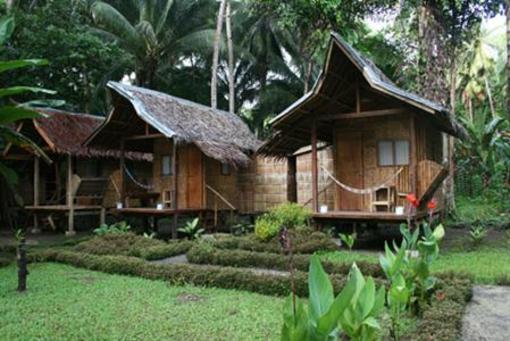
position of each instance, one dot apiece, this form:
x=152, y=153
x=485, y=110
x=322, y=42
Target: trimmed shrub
x=163, y=251
x=289, y=215
x=200, y=275
x=303, y=241
x=206, y=254
x=129, y=244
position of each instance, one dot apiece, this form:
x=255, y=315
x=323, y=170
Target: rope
x=139, y=184
x=363, y=190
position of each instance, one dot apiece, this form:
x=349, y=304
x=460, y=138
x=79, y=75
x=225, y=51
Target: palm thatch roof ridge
x=218, y=134
x=64, y=133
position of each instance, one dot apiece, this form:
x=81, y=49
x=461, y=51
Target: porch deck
x=165, y=212
x=62, y=208
x=362, y=216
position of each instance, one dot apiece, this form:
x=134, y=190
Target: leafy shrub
x=477, y=234
x=130, y=244
x=303, y=241
x=4, y=261
x=348, y=239
x=199, y=275
x=353, y=312
x=120, y=227
x=192, y=229
x=266, y=227
x=164, y=251
x=289, y=215
x=206, y=254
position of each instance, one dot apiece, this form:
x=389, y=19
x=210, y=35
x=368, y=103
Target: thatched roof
x=61, y=132
x=335, y=93
x=218, y=134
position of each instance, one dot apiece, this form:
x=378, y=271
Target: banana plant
x=348, y=239
x=353, y=312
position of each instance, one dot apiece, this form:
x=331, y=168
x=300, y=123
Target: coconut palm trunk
x=230, y=47
x=216, y=54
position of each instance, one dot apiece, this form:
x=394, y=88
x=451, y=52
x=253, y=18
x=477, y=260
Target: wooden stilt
x=175, y=185
x=70, y=200
x=291, y=179
x=412, y=156
x=35, y=228
x=315, y=170
x=122, y=170
x=102, y=216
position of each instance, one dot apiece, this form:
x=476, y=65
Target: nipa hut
x=198, y=152
x=77, y=181
x=386, y=142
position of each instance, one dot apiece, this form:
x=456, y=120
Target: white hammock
x=363, y=190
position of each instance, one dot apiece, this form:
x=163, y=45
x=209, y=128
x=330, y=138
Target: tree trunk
x=450, y=197
x=216, y=54
x=489, y=96
x=22, y=265
x=231, y=85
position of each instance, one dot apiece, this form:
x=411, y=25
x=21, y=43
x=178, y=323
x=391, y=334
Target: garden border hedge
x=206, y=254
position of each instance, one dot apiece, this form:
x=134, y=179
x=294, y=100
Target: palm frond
x=17, y=139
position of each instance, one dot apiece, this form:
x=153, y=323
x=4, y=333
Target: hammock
x=138, y=183
x=363, y=190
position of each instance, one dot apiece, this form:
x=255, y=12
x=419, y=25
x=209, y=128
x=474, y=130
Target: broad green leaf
x=438, y=232
x=22, y=141
x=53, y=103
x=11, y=114
x=366, y=298
x=379, y=301
x=329, y=321
x=320, y=289
x=372, y=323
x=6, y=28
x=15, y=90
x=295, y=328
x=9, y=175
x=16, y=64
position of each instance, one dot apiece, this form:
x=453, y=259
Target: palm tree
x=157, y=32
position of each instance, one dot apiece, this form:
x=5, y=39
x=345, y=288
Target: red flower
x=440, y=295
x=413, y=200
x=432, y=205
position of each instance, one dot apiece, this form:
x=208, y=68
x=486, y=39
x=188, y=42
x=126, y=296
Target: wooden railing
x=217, y=196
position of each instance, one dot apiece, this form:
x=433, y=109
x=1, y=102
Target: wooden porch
x=356, y=216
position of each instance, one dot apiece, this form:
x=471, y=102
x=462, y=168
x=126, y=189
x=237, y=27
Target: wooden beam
x=358, y=100
x=144, y=137
x=35, y=228
x=412, y=156
x=175, y=170
x=291, y=179
x=315, y=169
x=122, y=162
x=335, y=101
x=363, y=114
x=70, y=200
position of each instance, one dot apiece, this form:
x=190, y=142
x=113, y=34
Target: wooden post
x=122, y=170
x=175, y=185
x=291, y=179
x=412, y=156
x=70, y=200
x=35, y=228
x=102, y=216
x=358, y=99
x=315, y=170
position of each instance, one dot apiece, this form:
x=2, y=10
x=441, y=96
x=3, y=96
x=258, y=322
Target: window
x=225, y=169
x=166, y=165
x=393, y=153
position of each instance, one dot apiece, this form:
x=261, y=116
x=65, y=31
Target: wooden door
x=194, y=178
x=349, y=170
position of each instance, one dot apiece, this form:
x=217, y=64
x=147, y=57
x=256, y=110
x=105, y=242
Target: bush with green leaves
x=353, y=312
x=289, y=215
x=192, y=230
x=348, y=239
x=477, y=235
x=117, y=228
x=409, y=271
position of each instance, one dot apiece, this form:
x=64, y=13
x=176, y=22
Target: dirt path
x=487, y=315
x=182, y=259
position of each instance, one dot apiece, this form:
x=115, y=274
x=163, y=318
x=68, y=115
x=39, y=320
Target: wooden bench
x=88, y=191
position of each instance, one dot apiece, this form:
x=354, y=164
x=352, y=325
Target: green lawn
x=63, y=303
x=488, y=265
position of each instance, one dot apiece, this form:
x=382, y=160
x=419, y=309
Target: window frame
x=170, y=168
x=394, y=152
x=228, y=172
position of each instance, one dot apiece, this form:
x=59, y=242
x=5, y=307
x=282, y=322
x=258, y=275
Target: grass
x=64, y=302
x=487, y=265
